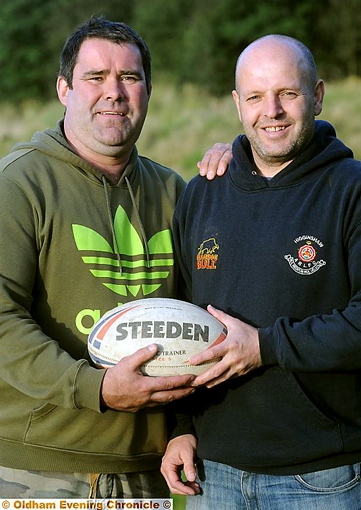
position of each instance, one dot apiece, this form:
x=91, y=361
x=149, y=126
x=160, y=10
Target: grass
x=183, y=123
x=179, y=503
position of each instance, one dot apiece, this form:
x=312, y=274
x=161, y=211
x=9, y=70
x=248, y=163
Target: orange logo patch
x=206, y=256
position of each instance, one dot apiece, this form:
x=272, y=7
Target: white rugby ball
x=180, y=330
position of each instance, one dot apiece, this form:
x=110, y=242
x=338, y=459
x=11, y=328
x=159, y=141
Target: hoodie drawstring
x=142, y=231
x=111, y=223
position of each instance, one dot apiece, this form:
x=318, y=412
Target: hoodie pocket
x=271, y=421
x=91, y=432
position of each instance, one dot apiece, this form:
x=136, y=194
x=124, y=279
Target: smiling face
x=107, y=103
x=277, y=100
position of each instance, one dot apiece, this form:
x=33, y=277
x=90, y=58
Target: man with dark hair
x=87, y=227
x=100, y=28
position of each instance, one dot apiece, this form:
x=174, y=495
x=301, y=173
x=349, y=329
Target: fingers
x=215, y=161
x=169, y=388
x=169, y=382
x=141, y=356
x=239, y=353
x=183, y=488
x=178, y=486
x=221, y=372
x=125, y=388
x=165, y=397
x=212, y=353
x=180, y=454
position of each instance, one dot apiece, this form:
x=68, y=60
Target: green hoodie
x=73, y=246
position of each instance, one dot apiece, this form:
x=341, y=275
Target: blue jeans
x=227, y=488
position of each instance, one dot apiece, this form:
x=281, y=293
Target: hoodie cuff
x=268, y=346
x=87, y=393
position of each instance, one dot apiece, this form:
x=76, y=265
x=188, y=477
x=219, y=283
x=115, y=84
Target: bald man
x=276, y=423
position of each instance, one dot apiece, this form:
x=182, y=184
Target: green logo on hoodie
x=130, y=274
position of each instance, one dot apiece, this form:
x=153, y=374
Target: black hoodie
x=285, y=256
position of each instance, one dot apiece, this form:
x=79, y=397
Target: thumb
x=142, y=355
x=218, y=314
x=190, y=471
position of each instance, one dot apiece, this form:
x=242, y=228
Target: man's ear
x=62, y=89
x=318, y=97
x=236, y=100
x=150, y=89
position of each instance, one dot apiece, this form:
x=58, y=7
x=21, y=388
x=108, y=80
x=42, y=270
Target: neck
x=266, y=169
x=112, y=167
x=112, y=164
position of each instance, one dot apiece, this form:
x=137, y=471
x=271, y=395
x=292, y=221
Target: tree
x=199, y=41
x=23, y=49
x=191, y=41
x=337, y=38
x=32, y=35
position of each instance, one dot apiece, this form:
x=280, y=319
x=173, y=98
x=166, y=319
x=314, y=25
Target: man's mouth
x=273, y=129
x=112, y=113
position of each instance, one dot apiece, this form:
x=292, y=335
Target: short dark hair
x=102, y=28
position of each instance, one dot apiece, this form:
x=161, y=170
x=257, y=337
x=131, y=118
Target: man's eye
x=289, y=94
x=129, y=78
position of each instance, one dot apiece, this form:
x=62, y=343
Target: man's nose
x=272, y=106
x=114, y=89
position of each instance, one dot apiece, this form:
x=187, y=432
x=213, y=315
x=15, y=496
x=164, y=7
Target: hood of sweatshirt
x=324, y=148
x=48, y=141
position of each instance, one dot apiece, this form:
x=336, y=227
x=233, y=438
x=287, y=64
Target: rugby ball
x=180, y=330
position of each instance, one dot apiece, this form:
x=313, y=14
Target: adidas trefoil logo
x=136, y=277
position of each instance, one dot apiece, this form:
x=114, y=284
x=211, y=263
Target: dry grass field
x=183, y=123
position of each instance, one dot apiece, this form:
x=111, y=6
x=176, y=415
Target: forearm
x=316, y=344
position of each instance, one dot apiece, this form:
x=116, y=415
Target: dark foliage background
x=192, y=41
